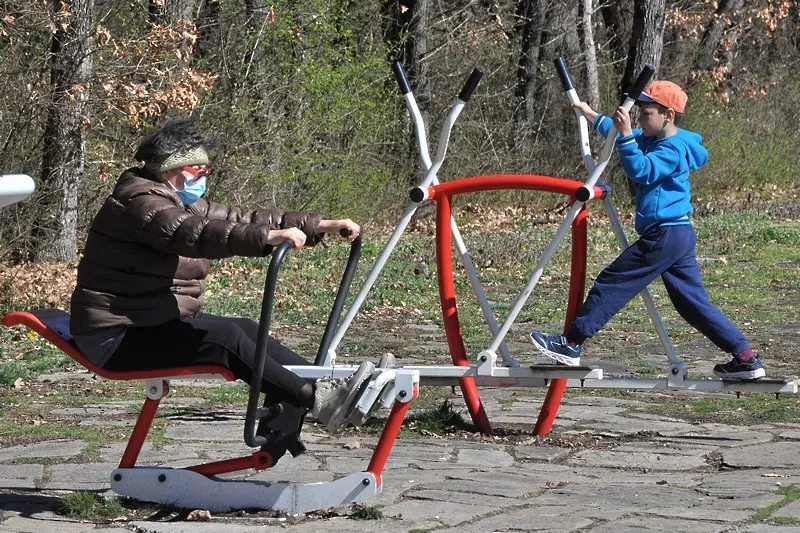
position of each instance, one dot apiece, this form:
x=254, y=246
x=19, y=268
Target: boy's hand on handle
x=587, y=111
x=622, y=120
x=344, y=227
x=278, y=236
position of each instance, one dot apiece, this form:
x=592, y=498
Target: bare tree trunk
x=715, y=30
x=587, y=37
x=646, y=45
x=208, y=27
x=615, y=20
x=531, y=16
x=572, y=41
x=70, y=62
x=170, y=12
x=647, y=39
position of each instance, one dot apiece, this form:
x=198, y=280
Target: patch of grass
x=32, y=363
x=790, y=493
x=88, y=505
x=442, y=419
x=365, y=512
x=228, y=395
x=749, y=409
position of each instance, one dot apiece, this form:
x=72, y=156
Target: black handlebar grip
x=400, y=76
x=345, y=232
x=563, y=73
x=469, y=87
x=641, y=82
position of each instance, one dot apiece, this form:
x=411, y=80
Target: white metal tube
x=537, y=273
x=419, y=129
x=406, y=218
x=480, y=294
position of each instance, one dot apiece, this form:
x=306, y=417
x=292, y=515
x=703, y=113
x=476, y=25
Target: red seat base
x=53, y=325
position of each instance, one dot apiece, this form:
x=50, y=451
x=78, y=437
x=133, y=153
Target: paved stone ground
x=607, y=469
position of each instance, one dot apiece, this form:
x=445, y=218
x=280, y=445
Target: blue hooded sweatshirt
x=660, y=168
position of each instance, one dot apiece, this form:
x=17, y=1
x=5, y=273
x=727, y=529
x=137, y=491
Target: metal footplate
x=190, y=490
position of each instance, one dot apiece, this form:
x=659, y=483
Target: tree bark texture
x=714, y=31
x=617, y=24
x=647, y=39
x=70, y=64
x=531, y=17
x=646, y=46
x=587, y=39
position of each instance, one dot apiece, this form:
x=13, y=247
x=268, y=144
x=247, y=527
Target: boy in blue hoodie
x=658, y=158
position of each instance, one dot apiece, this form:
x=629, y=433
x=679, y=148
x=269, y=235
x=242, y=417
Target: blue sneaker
x=736, y=369
x=557, y=347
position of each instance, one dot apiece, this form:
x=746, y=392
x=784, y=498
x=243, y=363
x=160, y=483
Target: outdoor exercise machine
x=200, y=487
x=485, y=371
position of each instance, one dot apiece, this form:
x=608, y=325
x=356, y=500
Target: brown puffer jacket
x=146, y=256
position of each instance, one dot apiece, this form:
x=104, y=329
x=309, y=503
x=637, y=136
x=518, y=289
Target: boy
x=658, y=158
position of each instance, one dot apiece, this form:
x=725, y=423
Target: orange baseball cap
x=665, y=93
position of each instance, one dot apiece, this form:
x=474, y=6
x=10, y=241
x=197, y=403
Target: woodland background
x=306, y=113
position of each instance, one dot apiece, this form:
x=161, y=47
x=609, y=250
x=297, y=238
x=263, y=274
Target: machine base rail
x=189, y=490
x=786, y=385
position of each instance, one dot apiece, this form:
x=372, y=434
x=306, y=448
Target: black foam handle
x=469, y=87
x=563, y=73
x=345, y=232
x=400, y=76
x=641, y=82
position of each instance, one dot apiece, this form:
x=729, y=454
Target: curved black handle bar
x=641, y=82
x=341, y=295
x=344, y=232
x=254, y=412
x=400, y=76
x=469, y=87
x=566, y=79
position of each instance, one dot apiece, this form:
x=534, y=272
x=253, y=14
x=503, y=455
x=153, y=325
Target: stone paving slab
x=20, y=476
x=642, y=524
x=640, y=460
x=642, y=473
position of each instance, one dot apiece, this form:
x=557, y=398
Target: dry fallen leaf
x=352, y=445
x=199, y=515
x=19, y=383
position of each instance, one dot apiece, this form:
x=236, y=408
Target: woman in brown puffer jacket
x=139, y=297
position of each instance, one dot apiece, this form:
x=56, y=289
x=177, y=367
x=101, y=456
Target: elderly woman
x=138, y=303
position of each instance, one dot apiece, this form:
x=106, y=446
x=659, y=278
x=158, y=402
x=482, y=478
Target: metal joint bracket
x=405, y=383
x=486, y=362
x=676, y=375
x=156, y=388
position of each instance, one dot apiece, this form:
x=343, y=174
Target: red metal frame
x=30, y=321
x=577, y=285
x=258, y=460
x=389, y=435
x=442, y=194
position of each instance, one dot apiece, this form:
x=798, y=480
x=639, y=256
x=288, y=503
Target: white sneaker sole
x=754, y=374
x=557, y=357
x=341, y=414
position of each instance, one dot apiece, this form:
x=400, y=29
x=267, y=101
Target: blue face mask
x=192, y=191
